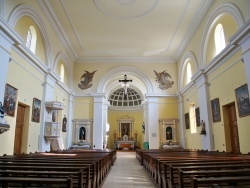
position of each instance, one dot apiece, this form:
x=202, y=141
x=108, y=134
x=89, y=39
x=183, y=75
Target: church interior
x=124, y=74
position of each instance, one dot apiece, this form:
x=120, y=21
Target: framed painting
x=215, y=105
x=10, y=97
x=242, y=98
x=197, y=115
x=187, y=122
x=36, y=108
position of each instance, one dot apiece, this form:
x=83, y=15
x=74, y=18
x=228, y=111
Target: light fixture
x=125, y=84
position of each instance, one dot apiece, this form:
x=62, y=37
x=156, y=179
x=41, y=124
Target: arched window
x=219, y=38
x=62, y=72
x=31, y=39
x=189, y=73
x=192, y=118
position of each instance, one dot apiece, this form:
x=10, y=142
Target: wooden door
x=19, y=129
x=233, y=128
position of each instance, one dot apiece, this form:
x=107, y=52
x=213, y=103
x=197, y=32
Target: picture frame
x=10, y=100
x=197, y=115
x=36, y=109
x=215, y=105
x=242, y=98
x=187, y=121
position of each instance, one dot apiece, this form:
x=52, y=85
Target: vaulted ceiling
x=125, y=30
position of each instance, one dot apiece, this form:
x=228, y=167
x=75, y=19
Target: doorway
x=231, y=128
x=19, y=129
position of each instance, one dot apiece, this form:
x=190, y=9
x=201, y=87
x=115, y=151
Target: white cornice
x=7, y=29
x=195, y=23
x=126, y=60
x=147, y=95
x=55, y=23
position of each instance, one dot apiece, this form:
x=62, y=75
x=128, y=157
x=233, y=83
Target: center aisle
x=127, y=173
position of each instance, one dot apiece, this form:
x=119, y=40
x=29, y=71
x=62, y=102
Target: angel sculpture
x=163, y=79
x=86, y=80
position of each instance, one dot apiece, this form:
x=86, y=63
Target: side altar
x=126, y=137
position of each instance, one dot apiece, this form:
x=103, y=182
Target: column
x=69, y=138
x=105, y=122
x=182, y=130
x=205, y=109
x=48, y=95
x=153, y=127
x=98, y=121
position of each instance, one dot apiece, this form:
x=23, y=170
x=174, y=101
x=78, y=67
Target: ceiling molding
x=193, y=26
x=125, y=60
x=55, y=23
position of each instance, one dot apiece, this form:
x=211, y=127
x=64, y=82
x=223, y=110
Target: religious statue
x=64, y=124
x=82, y=133
x=203, y=130
x=2, y=114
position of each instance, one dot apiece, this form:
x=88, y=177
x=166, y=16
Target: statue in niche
x=82, y=133
x=169, y=133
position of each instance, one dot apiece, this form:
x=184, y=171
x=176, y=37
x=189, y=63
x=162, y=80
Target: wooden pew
x=237, y=180
x=184, y=177
x=43, y=182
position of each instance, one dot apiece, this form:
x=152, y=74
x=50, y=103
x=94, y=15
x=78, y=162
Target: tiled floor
x=127, y=173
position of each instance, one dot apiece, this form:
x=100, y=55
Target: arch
x=27, y=10
x=105, y=86
x=186, y=57
x=61, y=56
x=227, y=8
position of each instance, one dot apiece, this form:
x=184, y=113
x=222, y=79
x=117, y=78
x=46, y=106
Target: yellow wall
x=28, y=81
x=83, y=108
x=223, y=85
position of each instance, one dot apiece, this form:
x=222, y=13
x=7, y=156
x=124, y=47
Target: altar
x=129, y=144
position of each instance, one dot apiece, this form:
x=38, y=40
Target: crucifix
x=125, y=84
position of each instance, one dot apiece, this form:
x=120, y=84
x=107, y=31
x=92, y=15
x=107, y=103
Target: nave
x=127, y=173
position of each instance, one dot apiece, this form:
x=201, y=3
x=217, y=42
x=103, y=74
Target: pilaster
x=98, y=121
x=48, y=95
x=183, y=142
x=69, y=139
x=152, y=123
x=205, y=109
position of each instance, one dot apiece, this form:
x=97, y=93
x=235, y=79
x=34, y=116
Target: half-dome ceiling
x=119, y=99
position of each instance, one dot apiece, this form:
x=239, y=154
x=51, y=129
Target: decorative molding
x=195, y=23
x=126, y=60
x=126, y=5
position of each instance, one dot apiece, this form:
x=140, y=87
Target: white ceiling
x=125, y=30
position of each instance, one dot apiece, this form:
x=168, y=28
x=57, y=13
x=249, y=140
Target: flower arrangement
x=170, y=142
